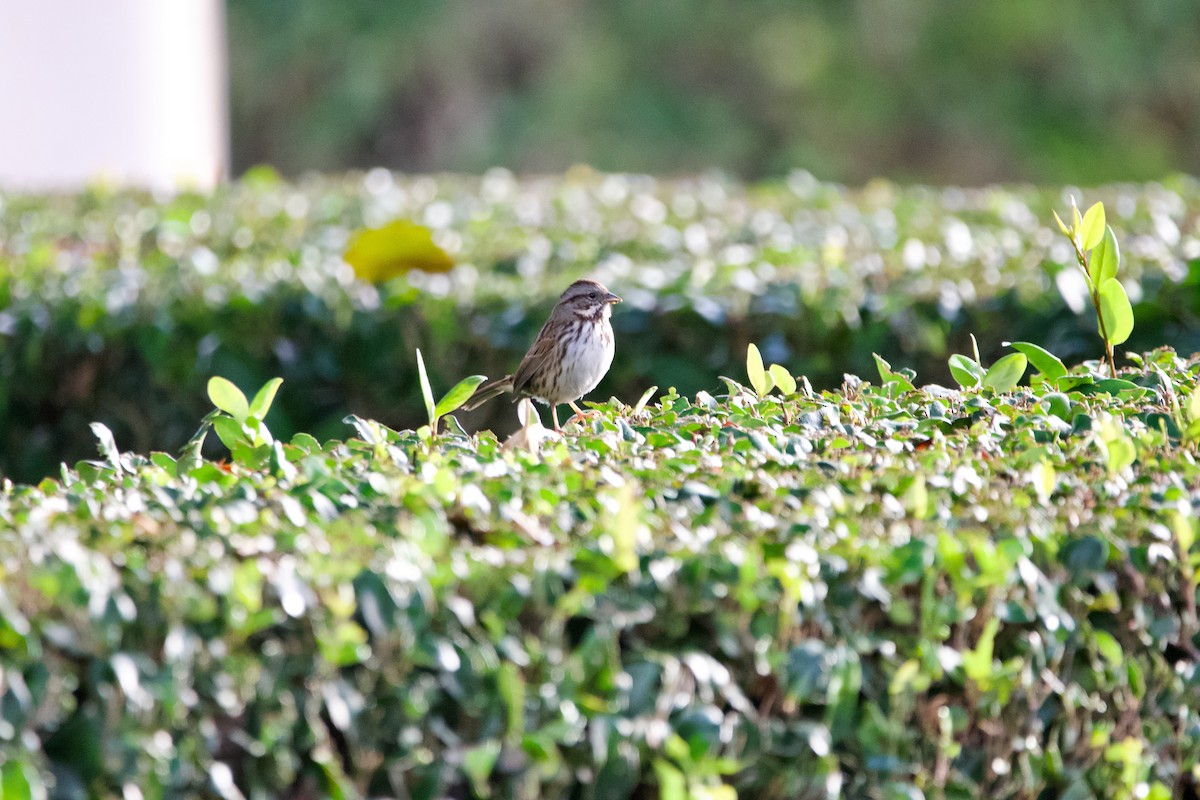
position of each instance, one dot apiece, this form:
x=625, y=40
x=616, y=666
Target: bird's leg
x=554, y=416
x=580, y=414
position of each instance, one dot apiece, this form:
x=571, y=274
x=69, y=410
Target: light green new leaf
x=426, y=391
x=14, y=782
x=1118, y=314
x=783, y=379
x=671, y=783
x=1194, y=404
x=1091, y=232
x=760, y=380
x=977, y=662
x=1045, y=362
x=227, y=397
x=966, y=371
x=1105, y=259
x=1062, y=226
x=1005, y=373
x=261, y=403
x=460, y=394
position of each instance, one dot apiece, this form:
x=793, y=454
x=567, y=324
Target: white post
x=126, y=91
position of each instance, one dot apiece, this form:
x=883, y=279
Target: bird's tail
x=489, y=390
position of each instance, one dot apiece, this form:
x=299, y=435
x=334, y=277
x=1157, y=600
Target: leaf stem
x=1094, y=291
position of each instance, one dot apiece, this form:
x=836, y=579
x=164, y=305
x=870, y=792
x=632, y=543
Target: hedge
x=877, y=591
x=118, y=306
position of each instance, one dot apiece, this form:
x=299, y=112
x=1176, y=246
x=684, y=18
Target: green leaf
x=230, y=432
x=107, y=445
x=977, y=662
x=261, y=403
x=14, y=783
x=460, y=394
x=966, y=371
x=478, y=763
x=426, y=391
x=1006, y=373
x=1118, y=314
x=1105, y=259
x=1194, y=404
x=1062, y=226
x=760, y=380
x=1045, y=362
x=227, y=397
x=644, y=399
x=888, y=375
x=671, y=783
x=783, y=379
x=1110, y=648
x=1091, y=232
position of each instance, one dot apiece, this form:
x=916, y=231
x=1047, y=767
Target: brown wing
x=536, y=361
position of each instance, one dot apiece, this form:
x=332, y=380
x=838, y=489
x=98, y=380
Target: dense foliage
x=118, y=307
x=876, y=592
x=942, y=92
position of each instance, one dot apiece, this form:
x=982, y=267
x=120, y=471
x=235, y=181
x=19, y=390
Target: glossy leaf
x=1117, y=312
x=1006, y=373
x=966, y=371
x=1046, y=363
x=458, y=395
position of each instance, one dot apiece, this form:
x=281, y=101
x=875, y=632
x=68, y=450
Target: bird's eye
x=592, y=295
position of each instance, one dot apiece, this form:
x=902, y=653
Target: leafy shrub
x=880, y=591
x=119, y=307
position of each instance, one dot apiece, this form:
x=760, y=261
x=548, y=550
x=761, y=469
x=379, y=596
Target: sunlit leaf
x=229, y=398
x=760, y=379
x=261, y=403
x=671, y=783
x=426, y=389
x=1046, y=363
x=1091, y=230
x=889, y=376
x=1062, y=226
x=1006, y=373
x=1105, y=260
x=14, y=783
x=230, y=432
x=458, y=395
x=107, y=445
x=783, y=379
x=1117, y=312
x=379, y=254
x=966, y=371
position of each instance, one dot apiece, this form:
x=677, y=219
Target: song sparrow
x=571, y=353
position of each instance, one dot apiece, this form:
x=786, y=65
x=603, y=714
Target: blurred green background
x=939, y=92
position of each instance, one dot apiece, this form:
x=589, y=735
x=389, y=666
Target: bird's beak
x=611, y=299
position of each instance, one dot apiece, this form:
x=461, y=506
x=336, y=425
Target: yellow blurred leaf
x=380, y=254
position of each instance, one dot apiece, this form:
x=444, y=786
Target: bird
x=571, y=353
